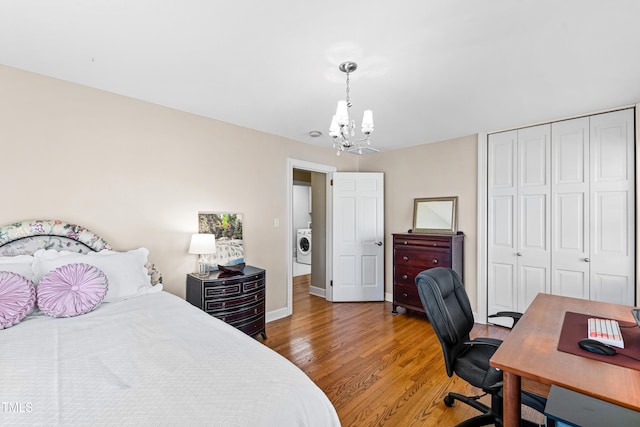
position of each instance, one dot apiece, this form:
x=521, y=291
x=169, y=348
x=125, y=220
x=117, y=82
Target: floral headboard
x=28, y=236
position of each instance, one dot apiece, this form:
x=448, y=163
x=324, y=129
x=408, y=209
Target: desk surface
x=530, y=351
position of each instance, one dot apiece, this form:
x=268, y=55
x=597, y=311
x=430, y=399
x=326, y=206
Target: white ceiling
x=429, y=69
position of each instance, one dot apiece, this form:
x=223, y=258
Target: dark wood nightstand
x=237, y=299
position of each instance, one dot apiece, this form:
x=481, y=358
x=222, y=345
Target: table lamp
x=202, y=244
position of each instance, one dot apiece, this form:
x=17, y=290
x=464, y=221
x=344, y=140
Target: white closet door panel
x=502, y=289
x=502, y=237
x=571, y=283
x=532, y=280
x=534, y=232
x=611, y=288
x=612, y=226
x=570, y=208
x=533, y=156
x=533, y=223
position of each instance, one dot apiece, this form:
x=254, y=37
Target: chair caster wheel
x=448, y=400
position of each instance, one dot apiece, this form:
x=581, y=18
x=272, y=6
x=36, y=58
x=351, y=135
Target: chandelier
x=343, y=128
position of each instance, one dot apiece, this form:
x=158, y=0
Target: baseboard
x=277, y=314
x=388, y=297
x=319, y=292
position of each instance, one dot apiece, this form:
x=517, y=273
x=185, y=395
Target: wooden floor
x=377, y=368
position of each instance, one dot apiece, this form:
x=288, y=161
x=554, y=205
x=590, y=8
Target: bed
x=140, y=357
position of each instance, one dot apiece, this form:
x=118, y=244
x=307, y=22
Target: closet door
x=570, y=207
x=518, y=229
x=502, y=228
x=612, y=227
x=534, y=232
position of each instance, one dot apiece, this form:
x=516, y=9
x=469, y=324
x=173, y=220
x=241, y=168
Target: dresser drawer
x=239, y=316
x=405, y=275
x=214, y=291
x=252, y=326
x=232, y=303
x=406, y=295
x=422, y=242
x=254, y=285
x=421, y=258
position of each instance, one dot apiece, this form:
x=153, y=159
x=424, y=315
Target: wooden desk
x=529, y=353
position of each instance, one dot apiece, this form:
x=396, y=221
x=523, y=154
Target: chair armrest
x=512, y=314
x=493, y=342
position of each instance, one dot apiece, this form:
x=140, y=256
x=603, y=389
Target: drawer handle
x=224, y=304
x=405, y=277
x=405, y=243
x=405, y=295
x=255, y=311
x=435, y=244
x=435, y=261
x=406, y=258
x=256, y=298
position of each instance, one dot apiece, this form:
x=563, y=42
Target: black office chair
x=449, y=311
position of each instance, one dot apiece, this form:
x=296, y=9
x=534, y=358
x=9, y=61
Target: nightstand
x=237, y=299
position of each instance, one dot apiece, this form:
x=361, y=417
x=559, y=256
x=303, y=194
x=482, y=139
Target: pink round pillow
x=71, y=290
x=17, y=298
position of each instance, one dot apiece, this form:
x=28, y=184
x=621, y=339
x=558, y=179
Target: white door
x=518, y=229
x=570, y=200
x=358, y=236
x=612, y=202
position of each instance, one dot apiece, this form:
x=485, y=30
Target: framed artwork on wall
x=227, y=228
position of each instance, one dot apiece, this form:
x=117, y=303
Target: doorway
x=320, y=230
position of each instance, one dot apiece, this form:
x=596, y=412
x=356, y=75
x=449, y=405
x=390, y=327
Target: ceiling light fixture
x=343, y=129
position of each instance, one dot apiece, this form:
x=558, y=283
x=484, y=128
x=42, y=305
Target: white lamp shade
x=342, y=114
x=367, y=121
x=202, y=244
x=334, y=129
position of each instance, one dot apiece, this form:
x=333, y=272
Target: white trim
x=388, y=296
x=312, y=167
x=481, y=291
x=277, y=314
x=319, y=292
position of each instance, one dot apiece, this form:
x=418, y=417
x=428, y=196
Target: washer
x=304, y=246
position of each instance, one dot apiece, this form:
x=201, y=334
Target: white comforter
x=150, y=360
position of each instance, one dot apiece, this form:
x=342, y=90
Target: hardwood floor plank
x=377, y=368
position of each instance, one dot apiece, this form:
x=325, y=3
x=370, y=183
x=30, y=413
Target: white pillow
x=125, y=270
x=19, y=264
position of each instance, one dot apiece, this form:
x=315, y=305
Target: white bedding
x=150, y=360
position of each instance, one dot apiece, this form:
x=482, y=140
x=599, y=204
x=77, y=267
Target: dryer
x=303, y=245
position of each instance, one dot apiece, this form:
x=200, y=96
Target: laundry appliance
x=304, y=246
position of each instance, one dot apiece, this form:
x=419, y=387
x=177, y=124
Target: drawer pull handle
x=405, y=243
x=406, y=258
x=405, y=295
x=255, y=311
x=435, y=261
x=435, y=244
x=224, y=304
x=256, y=298
x=405, y=277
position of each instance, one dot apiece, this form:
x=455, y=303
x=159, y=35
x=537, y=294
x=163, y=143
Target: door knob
x=379, y=243
x=587, y=260
x=519, y=253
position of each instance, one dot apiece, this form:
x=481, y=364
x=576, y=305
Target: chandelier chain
x=348, y=89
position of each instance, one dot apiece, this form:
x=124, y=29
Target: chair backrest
x=447, y=306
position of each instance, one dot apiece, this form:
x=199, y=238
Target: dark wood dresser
x=237, y=299
x=416, y=252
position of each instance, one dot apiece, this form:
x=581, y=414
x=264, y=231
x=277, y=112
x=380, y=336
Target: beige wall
x=448, y=168
x=138, y=173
